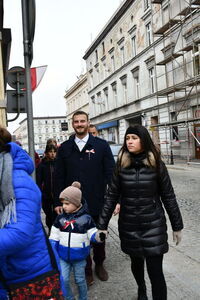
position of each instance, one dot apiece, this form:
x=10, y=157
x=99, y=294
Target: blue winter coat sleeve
x=17, y=236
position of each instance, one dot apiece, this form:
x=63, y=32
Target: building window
x=152, y=79
x=124, y=87
x=122, y=56
x=136, y=83
x=54, y=130
x=114, y=89
x=113, y=63
x=53, y=121
x=106, y=98
x=133, y=41
x=149, y=34
x=137, y=87
x=103, y=48
x=174, y=128
x=46, y=122
x=196, y=59
x=47, y=129
x=96, y=55
x=146, y=4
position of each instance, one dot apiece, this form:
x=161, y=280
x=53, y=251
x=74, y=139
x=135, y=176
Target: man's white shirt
x=81, y=142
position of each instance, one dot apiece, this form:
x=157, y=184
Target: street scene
x=100, y=150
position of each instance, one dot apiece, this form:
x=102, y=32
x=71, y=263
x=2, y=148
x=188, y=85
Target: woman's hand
x=177, y=236
x=117, y=209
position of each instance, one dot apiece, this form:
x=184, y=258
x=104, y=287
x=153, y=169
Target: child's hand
x=101, y=235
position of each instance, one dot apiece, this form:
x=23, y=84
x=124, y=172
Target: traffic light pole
x=26, y=43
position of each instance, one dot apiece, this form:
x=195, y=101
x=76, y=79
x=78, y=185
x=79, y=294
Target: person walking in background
x=71, y=235
x=45, y=179
x=52, y=141
x=142, y=184
x=89, y=160
x=93, y=130
x=25, y=258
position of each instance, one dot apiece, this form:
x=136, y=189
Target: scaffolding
x=176, y=28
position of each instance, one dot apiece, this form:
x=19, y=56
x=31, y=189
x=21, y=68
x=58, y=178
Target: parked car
x=115, y=148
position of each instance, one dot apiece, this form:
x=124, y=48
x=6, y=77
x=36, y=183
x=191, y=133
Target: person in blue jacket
x=71, y=234
x=89, y=160
x=24, y=253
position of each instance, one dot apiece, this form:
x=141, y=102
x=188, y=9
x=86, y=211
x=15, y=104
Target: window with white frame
x=136, y=83
x=152, y=79
x=133, y=42
x=124, y=88
x=122, y=55
x=148, y=34
x=105, y=90
x=113, y=63
x=114, y=90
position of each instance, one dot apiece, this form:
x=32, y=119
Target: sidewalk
x=181, y=272
x=184, y=165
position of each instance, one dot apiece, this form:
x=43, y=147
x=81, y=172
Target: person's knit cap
x=135, y=129
x=72, y=194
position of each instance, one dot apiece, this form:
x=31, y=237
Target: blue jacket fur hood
x=23, y=248
x=72, y=233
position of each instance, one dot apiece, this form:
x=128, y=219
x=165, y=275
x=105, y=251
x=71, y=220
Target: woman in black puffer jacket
x=142, y=185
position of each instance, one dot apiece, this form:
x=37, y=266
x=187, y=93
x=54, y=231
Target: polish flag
x=36, y=76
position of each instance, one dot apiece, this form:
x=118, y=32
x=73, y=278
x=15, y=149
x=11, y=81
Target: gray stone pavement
x=181, y=263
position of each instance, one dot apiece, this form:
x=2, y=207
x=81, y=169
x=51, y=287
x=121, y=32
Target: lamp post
x=28, y=22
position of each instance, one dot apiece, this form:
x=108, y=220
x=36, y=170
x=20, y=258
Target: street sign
x=16, y=103
x=13, y=74
x=64, y=126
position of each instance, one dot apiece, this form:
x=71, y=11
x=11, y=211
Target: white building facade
x=143, y=68
x=77, y=99
x=44, y=128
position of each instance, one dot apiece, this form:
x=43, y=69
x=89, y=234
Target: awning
x=107, y=125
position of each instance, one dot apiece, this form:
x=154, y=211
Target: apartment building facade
x=143, y=67
x=76, y=98
x=44, y=128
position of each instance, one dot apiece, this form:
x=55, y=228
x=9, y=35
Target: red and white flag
x=36, y=76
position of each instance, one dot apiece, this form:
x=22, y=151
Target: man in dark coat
x=89, y=160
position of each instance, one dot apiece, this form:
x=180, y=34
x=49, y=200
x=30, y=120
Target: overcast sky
x=64, y=30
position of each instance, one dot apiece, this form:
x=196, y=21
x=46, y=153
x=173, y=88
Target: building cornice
x=111, y=23
x=77, y=84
